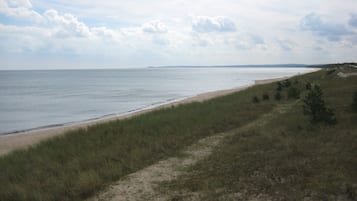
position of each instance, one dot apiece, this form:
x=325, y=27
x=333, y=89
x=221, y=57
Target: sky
x=67, y=34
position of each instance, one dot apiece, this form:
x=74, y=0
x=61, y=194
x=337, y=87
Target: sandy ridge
x=144, y=184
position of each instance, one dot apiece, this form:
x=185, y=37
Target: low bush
x=265, y=97
x=294, y=93
x=354, y=101
x=255, y=99
x=277, y=96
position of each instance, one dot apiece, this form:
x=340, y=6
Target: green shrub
x=287, y=83
x=354, y=101
x=265, y=97
x=279, y=87
x=314, y=106
x=329, y=72
x=293, y=92
x=277, y=96
x=308, y=86
x=255, y=99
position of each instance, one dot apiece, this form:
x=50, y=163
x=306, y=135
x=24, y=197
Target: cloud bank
x=53, y=34
x=206, y=24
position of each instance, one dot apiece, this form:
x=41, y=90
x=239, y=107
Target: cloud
x=13, y=38
x=106, y=33
x=313, y=23
x=286, y=45
x=160, y=41
x=204, y=24
x=67, y=24
x=353, y=20
x=154, y=27
x=246, y=41
x=21, y=9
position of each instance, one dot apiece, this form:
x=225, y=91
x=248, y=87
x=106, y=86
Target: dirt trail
x=143, y=184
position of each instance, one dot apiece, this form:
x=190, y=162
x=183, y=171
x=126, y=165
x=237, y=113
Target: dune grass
x=286, y=159
x=77, y=165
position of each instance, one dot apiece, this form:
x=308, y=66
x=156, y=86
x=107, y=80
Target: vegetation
x=255, y=99
x=277, y=96
x=265, y=96
x=293, y=93
x=279, y=86
x=288, y=158
x=308, y=86
x=316, y=109
x=354, y=101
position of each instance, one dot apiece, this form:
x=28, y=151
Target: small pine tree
x=279, y=87
x=308, y=86
x=293, y=92
x=314, y=106
x=255, y=99
x=265, y=97
x=277, y=96
x=354, y=101
x=287, y=83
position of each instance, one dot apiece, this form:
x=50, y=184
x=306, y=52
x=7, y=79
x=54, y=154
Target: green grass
x=286, y=159
x=79, y=164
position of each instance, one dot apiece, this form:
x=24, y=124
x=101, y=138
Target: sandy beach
x=25, y=139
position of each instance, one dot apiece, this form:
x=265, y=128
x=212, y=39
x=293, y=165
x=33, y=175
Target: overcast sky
x=138, y=33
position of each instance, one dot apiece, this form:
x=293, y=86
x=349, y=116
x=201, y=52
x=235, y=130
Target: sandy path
x=144, y=184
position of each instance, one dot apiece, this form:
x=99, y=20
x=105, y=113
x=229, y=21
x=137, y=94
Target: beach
x=25, y=139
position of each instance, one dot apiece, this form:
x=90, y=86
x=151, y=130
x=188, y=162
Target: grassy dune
x=286, y=159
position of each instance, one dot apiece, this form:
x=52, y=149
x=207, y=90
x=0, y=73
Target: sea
x=37, y=99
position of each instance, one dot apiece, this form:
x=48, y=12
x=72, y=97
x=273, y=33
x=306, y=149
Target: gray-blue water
x=33, y=99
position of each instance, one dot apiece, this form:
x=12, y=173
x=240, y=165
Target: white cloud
x=353, y=20
x=314, y=23
x=206, y=24
x=67, y=24
x=13, y=38
x=106, y=33
x=154, y=27
x=21, y=9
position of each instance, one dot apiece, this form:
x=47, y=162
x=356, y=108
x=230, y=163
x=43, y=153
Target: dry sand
x=25, y=139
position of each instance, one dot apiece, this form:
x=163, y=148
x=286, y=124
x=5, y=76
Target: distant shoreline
x=23, y=139
x=247, y=66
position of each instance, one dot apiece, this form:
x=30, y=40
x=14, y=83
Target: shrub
x=277, y=96
x=329, y=72
x=255, y=99
x=265, y=97
x=287, y=83
x=293, y=92
x=279, y=87
x=308, y=86
x=354, y=101
x=296, y=82
x=314, y=106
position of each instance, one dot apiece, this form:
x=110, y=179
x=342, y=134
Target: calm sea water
x=34, y=99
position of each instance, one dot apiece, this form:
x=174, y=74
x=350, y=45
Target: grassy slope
x=76, y=165
x=286, y=159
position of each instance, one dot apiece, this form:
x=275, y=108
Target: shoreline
x=23, y=139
